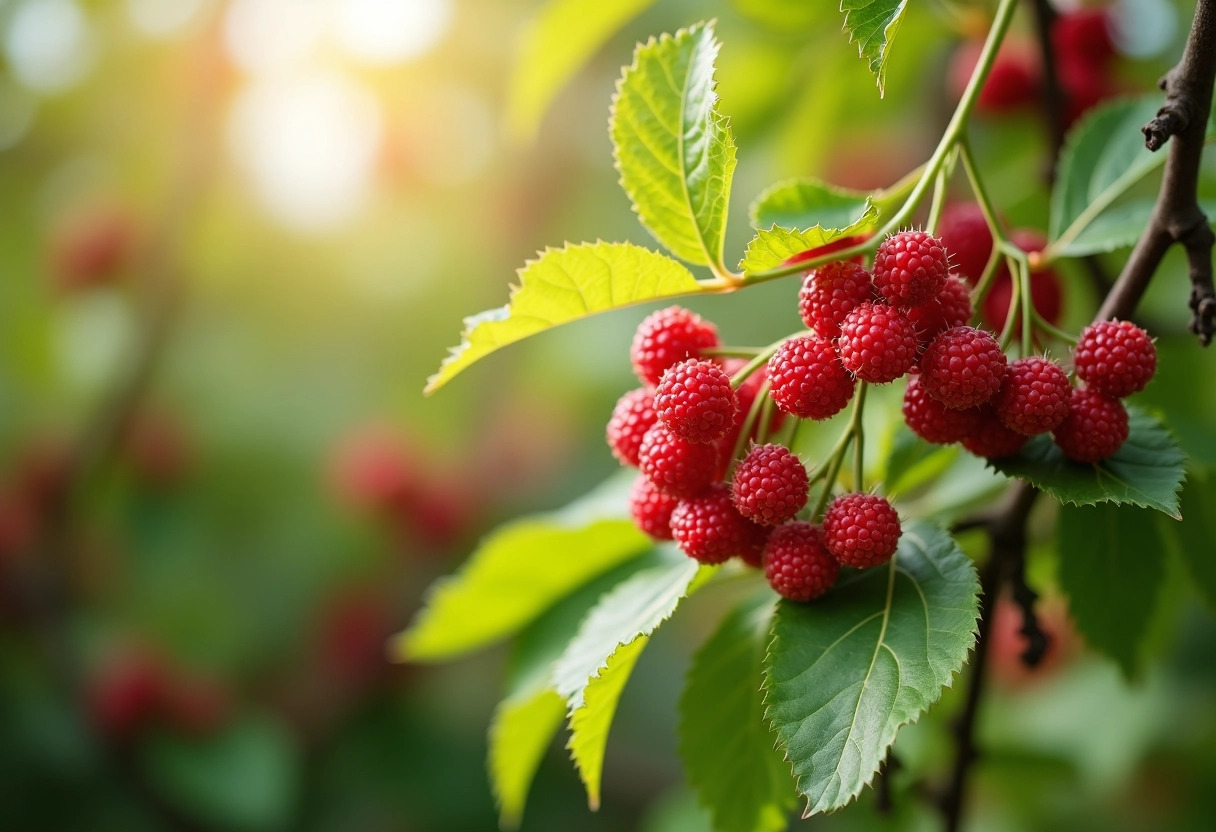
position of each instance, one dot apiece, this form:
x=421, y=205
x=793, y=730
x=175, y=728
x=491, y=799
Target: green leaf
x=844, y=672
x=558, y=43
x=528, y=718
x=520, y=571
x=562, y=285
x=1197, y=531
x=1103, y=156
x=1147, y=471
x=520, y=732
x=592, y=671
x=728, y=750
x=769, y=249
x=674, y=150
x=805, y=203
x=1120, y=226
x=872, y=25
x=246, y=777
x=1112, y=563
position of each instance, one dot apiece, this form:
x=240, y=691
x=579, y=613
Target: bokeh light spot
x=49, y=44
x=390, y=31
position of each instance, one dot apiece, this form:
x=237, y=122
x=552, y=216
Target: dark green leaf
x=1112, y=563
x=872, y=24
x=1196, y=534
x=244, y=778
x=728, y=750
x=844, y=672
x=1147, y=471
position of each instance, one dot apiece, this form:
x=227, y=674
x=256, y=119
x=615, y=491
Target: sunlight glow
x=390, y=31
x=310, y=145
x=49, y=44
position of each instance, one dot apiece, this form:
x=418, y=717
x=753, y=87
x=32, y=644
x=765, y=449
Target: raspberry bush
x=831, y=471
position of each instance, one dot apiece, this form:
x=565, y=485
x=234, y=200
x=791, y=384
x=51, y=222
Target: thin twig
x=1054, y=100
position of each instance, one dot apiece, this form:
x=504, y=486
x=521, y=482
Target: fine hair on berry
x=910, y=268
x=1115, y=358
x=796, y=563
x=667, y=337
x=807, y=379
x=1095, y=428
x=695, y=400
x=963, y=367
x=877, y=343
x=707, y=527
x=675, y=465
x=631, y=418
x=770, y=485
x=861, y=530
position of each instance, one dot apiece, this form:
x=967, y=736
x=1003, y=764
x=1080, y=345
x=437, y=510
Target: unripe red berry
x=910, y=268
x=694, y=400
x=807, y=379
x=1084, y=36
x=1045, y=291
x=949, y=309
x=707, y=527
x=967, y=238
x=991, y=439
x=933, y=421
x=1034, y=396
x=755, y=537
x=1096, y=427
x=1115, y=358
x=651, y=509
x=375, y=470
x=796, y=563
x=770, y=485
x=877, y=343
x=861, y=530
x=1012, y=82
x=127, y=694
x=963, y=367
x=830, y=292
x=829, y=248
x=92, y=247
x=675, y=465
x=667, y=337
x=631, y=418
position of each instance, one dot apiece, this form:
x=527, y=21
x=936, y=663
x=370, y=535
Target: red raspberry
x=1115, y=358
x=830, y=292
x=990, y=439
x=707, y=527
x=1044, y=285
x=1034, y=397
x=770, y=485
x=666, y=337
x=695, y=400
x=910, y=268
x=651, y=509
x=675, y=465
x=877, y=343
x=1096, y=427
x=933, y=421
x=949, y=309
x=963, y=367
x=829, y=248
x=967, y=238
x=796, y=564
x=807, y=379
x=755, y=538
x=631, y=418
x=861, y=530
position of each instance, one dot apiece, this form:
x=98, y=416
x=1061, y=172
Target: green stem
x=753, y=414
x=1027, y=308
x=853, y=433
x=1051, y=329
x=953, y=135
x=731, y=352
x=859, y=439
x=939, y=201
x=759, y=360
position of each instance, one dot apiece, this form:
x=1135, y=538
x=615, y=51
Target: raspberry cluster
x=910, y=316
x=682, y=431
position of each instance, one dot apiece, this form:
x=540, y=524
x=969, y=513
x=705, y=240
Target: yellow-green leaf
x=557, y=44
x=519, y=734
x=562, y=285
x=520, y=571
x=769, y=249
x=673, y=148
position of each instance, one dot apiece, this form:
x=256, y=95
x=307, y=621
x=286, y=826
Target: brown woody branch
x=1176, y=218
